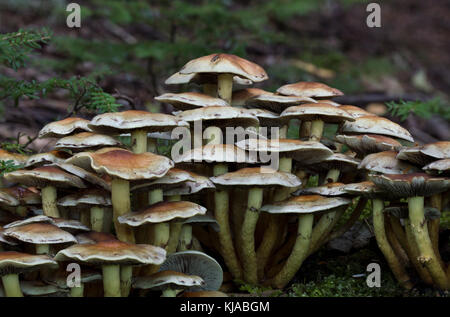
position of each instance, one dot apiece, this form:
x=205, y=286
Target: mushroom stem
x=380, y=234
x=304, y=129
x=185, y=238
x=332, y=176
x=111, y=280
x=424, y=244
x=139, y=141
x=174, y=198
x=433, y=226
x=210, y=90
x=316, y=130
x=299, y=251
x=152, y=145
x=11, y=285
x=126, y=274
x=42, y=249
x=221, y=201
x=249, y=263
x=120, y=197
x=283, y=131
x=225, y=87
x=169, y=293
x=161, y=233
x=49, y=206
x=77, y=291
x=97, y=218
x=155, y=196
x=174, y=238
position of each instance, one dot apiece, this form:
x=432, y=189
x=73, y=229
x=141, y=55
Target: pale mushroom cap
x=257, y=177
x=277, y=103
x=305, y=204
x=70, y=225
x=168, y=280
x=355, y=111
x=117, y=252
x=438, y=166
x=366, y=188
x=8, y=200
x=315, y=111
x=40, y=233
x=12, y=262
x=86, y=197
x=411, y=185
x=103, y=182
x=173, y=178
x=86, y=140
x=307, y=152
x=340, y=161
x=437, y=150
x=122, y=163
x=35, y=219
x=162, y=212
x=369, y=143
x=330, y=189
x=18, y=159
x=201, y=78
x=127, y=121
x=425, y=154
x=191, y=100
x=220, y=116
x=241, y=96
x=225, y=63
x=331, y=102
x=309, y=89
x=386, y=162
x=45, y=176
x=376, y=125
x=196, y=263
x=191, y=187
x=219, y=153
x=59, y=129
x=47, y=158
x=6, y=240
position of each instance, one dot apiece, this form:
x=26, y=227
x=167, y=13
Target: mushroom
x=13, y=263
x=85, y=141
x=191, y=100
x=425, y=154
x=51, y=157
x=441, y=167
x=110, y=255
x=386, y=162
x=39, y=289
x=19, y=198
x=309, y=89
x=242, y=95
x=65, y=127
x=368, y=143
x=355, y=111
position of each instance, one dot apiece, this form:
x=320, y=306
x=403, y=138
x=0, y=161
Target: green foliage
x=424, y=109
x=8, y=166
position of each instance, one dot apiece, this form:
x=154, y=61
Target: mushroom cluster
x=235, y=193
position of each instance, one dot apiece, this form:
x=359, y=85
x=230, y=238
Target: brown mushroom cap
x=425, y=154
x=411, y=185
x=219, y=153
x=47, y=158
x=104, y=181
x=12, y=262
x=309, y=89
x=355, y=111
x=257, y=177
x=439, y=166
x=369, y=143
x=59, y=129
x=376, y=125
x=86, y=140
x=222, y=116
x=18, y=159
x=127, y=121
x=314, y=111
x=191, y=100
x=168, y=280
x=305, y=204
x=366, y=188
x=162, y=212
x=122, y=163
x=113, y=251
x=45, y=176
x=277, y=103
x=86, y=197
x=241, y=96
x=386, y=162
x=329, y=189
x=225, y=64
x=39, y=233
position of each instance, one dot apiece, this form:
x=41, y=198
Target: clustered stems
x=126, y=274
x=185, y=239
x=96, y=219
x=316, y=130
x=11, y=285
x=225, y=87
x=120, y=196
x=111, y=280
x=49, y=206
x=139, y=141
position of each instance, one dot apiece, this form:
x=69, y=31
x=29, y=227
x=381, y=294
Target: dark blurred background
x=131, y=47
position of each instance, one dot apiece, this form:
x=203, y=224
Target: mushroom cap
x=340, y=161
x=86, y=197
x=168, y=280
x=196, y=263
x=439, y=166
x=86, y=140
x=376, y=125
x=314, y=111
x=35, y=219
x=355, y=111
x=267, y=118
x=8, y=200
x=38, y=288
x=162, y=212
x=61, y=128
x=425, y=154
x=367, y=189
x=307, y=152
x=386, y=162
x=331, y=102
x=70, y=225
x=225, y=64
x=201, y=78
x=257, y=177
x=309, y=89
x=173, y=178
x=191, y=100
x=222, y=116
x=204, y=294
x=45, y=176
x=242, y=95
x=206, y=219
x=6, y=240
x=277, y=103
x=411, y=185
x=305, y=204
x=369, y=143
x=12, y=262
x=93, y=237
x=103, y=182
x=219, y=153
x=47, y=158
x=39, y=233
x=113, y=251
x=18, y=159
x=127, y=121
x=198, y=184
x=330, y=189
x=122, y=163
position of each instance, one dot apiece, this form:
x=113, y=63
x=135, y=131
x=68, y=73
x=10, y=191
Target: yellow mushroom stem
x=42, y=248
x=77, y=291
x=225, y=87
x=126, y=274
x=304, y=130
x=433, y=226
x=120, y=197
x=380, y=234
x=169, y=293
x=426, y=252
x=185, y=241
x=316, y=130
x=97, y=215
x=49, y=198
x=174, y=238
x=139, y=141
x=111, y=280
x=210, y=90
x=11, y=285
